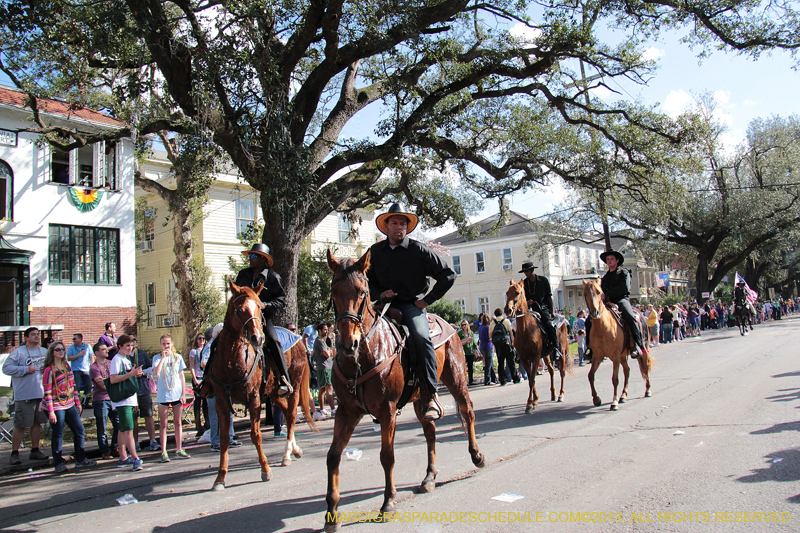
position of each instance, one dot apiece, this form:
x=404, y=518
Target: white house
x=67, y=248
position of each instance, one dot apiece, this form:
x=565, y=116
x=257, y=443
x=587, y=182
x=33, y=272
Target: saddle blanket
x=439, y=329
x=286, y=338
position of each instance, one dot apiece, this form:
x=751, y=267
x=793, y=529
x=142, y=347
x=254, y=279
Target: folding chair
x=188, y=408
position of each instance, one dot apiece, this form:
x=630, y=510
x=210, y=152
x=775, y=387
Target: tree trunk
x=184, y=277
x=701, y=277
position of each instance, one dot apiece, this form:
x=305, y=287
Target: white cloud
x=751, y=103
x=677, y=102
x=525, y=34
x=653, y=54
x=722, y=97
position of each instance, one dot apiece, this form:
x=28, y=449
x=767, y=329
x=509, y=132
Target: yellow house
x=231, y=207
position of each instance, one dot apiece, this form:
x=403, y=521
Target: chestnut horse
x=607, y=339
x=529, y=342
x=236, y=372
x=368, y=378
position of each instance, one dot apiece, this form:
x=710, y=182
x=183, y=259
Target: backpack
x=499, y=333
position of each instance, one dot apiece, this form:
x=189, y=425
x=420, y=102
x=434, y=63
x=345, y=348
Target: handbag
x=122, y=390
x=152, y=384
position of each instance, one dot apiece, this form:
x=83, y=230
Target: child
x=121, y=364
x=99, y=371
x=168, y=366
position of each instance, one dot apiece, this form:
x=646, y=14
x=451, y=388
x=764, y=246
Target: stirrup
x=435, y=411
x=285, y=388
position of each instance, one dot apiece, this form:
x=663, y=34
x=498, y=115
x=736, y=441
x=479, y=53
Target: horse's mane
x=349, y=271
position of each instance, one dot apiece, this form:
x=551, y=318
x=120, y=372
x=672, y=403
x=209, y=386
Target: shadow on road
x=782, y=466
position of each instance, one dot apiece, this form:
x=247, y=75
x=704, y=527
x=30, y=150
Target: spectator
x=652, y=325
x=121, y=368
x=502, y=341
x=168, y=367
x=109, y=338
x=62, y=403
x=144, y=398
x=486, y=348
x=321, y=354
x=212, y=402
x=580, y=335
x=200, y=404
x=309, y=335
x=103, y=410
x=25, y=365
x=80, y=357
x=469, y=345
x=666, y=324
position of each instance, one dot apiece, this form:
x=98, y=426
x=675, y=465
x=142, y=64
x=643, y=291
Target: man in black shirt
x=540, y=299
x=616, y=286
x=399, y=273
x=273, y=299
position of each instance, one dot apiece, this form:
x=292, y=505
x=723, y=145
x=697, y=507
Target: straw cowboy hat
x=262, y=250
x=383, y=219
x=616, y=254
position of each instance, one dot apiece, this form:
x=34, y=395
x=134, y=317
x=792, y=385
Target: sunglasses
x=58, y=349
x=201, y=338
x=253, y=256
x=292, y=329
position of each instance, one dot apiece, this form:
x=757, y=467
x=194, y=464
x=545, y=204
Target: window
x=461, y=304
x=579, y=256
x=457, y=264
x=345, y=229
x=245, y=215
x=173, y=300
x=483, y=304
x=6, y=190
x=150, y=302
x=113, y=155
x=79, y=254
x=92, y=166
x=557, y=255
x=480, y=265
x=507, y=259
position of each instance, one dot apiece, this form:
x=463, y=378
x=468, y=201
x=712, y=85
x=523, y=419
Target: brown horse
x=236, y=375
x=608, y=340
x=368, y=378
x=529, y=342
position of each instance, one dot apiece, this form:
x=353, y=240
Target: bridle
x=513, y=313
x=597, y=312
x=363, y=307
x=259, y=316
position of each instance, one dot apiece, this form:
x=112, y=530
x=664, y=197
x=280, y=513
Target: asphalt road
x=714, y=449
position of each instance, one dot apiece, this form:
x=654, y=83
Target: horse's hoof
x=552, y=398
x=529, y=410
x=218, y=486
x=622, y=400
x=560, y=398
x=648, y=394
x=387, y=507
x=286, y=462
x=597, y=401
x=330, y=527
x=613, y=407
x=479, y=460
x=298, y=454
x=266, y=476
x=427, y=486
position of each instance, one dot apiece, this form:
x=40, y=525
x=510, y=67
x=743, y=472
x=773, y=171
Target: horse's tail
x=646, y=363
x=567, y=361
x=305, y=393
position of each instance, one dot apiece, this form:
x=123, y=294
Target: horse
x=238, y=375
x=742, y=314
x=607, y=339
x=529, y=342
x=369, y=376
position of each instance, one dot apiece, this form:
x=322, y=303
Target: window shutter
x=99, y=164
x=44, y=156
x=74, y=167
x=116, y=178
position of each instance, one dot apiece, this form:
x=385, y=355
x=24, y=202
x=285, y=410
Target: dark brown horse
x=529, y=342
x=236, y=375
x=368, y=378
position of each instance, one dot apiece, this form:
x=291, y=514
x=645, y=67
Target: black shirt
x=272, y=293
x=539, y=291
x=617, y=285
x=405, y=270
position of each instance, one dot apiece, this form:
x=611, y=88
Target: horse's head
x=593, y=295
x=244, y=314
x=350, y=296
x=515, y=299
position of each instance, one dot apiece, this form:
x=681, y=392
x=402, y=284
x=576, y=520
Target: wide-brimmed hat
x=741, y=283
x=395, y=209
x=262, y=250
x=616, y=254
x=526, y=267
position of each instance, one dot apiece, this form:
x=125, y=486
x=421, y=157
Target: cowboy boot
x=434, y=410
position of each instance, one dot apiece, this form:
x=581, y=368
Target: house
x=231, y=208
x=485, y=265
x=67, y=247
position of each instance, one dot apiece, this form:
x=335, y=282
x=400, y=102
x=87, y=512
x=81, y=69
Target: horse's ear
x=333, y=264
x=258, y=288
x=510, y=282
x=363, y=263
x=234, y=287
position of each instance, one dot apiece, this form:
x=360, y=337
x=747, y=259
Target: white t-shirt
x=170, y=378
x=119, y=364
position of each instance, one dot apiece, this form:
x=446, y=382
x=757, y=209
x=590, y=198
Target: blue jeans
x=277, y=419
x=667, y=329
x=73, y=420
x=488, y=366
x=416, y=320
x=214, y=423
x=82, y=382
x=102, y=412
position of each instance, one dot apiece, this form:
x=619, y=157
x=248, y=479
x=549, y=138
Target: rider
x=739, y=296
x=616, y=286
x=540, y=299
x=399, y=273
x=273, y=299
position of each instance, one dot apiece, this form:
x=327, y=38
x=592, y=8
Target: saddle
x=615, y=312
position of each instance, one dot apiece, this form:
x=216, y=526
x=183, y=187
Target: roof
x=18, y=99
x=518, y=224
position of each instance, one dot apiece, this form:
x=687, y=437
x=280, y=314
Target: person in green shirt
x=469, y=344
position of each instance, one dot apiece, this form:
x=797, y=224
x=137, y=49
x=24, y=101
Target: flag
x=662, y=279
x=750, y=294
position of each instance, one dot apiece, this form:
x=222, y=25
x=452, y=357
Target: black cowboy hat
x=741, y=283
x=395, y=209
x=616, y=254
x=262, y=250
x=527, y=266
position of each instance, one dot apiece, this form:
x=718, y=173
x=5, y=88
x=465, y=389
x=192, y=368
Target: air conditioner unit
x=146, y=246
x=507, y=266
